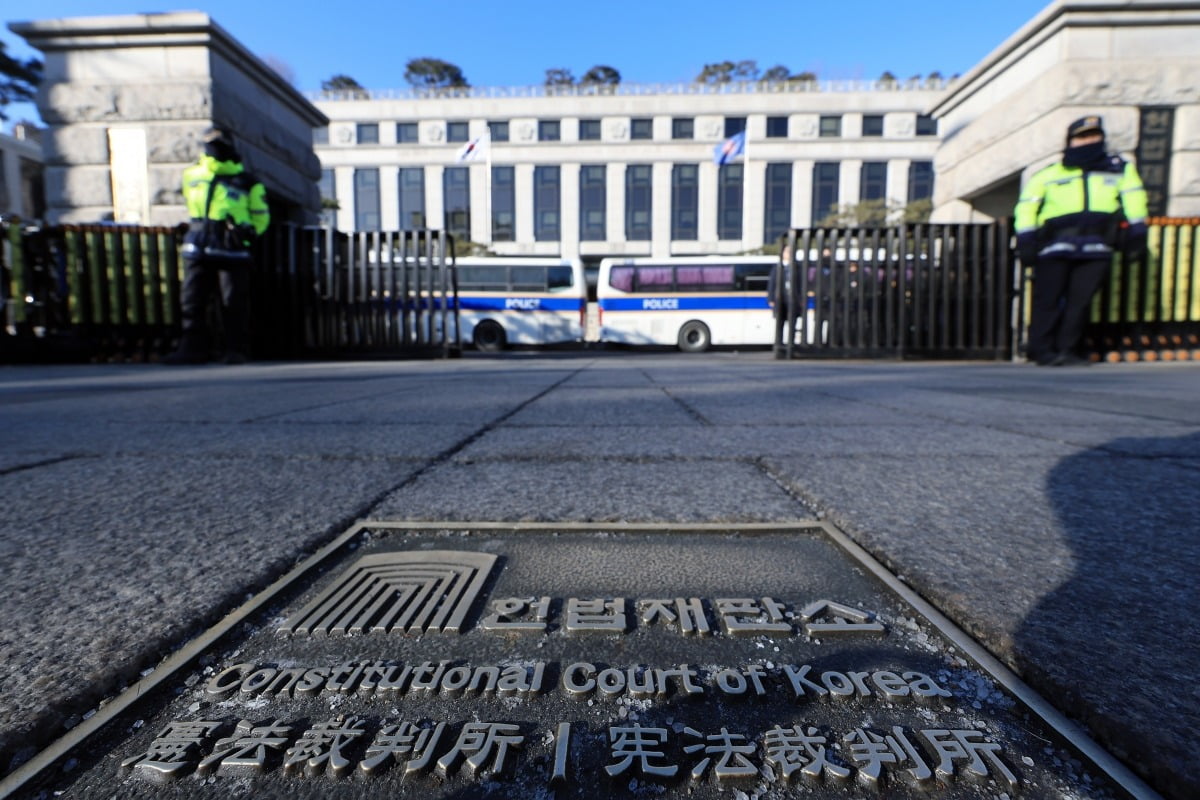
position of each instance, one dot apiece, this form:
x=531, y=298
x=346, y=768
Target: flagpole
x=487, y=183
x=746, y=186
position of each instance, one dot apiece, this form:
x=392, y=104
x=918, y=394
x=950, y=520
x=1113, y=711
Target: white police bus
x=693, y=303
x=505, y=301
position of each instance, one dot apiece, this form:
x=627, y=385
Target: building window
x=638, y=185
x=926, y=125
x=504, y=205
x=367, y=133
x=729, y=202
x=683, y=128
x=734, y=126
x=874, y=181
x=872, y=125
x=592, y=203
x=321, y=135
x=777, y=205
x=328, y=189
x=406, y=133
x=412, y=198
x=831, y=125
x=498, y=131
x=641, y=128
x=825, y=189
x=685, y=202
x=777, y=127
x=549, y=130
x=547, y=204
x=920, y=180
x=366, y=200
x=457, y=132
x=456, y=193
x=589, y=130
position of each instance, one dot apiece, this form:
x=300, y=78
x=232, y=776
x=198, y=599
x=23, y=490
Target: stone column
x=126, y=99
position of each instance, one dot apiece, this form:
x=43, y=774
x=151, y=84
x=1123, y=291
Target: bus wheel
x=694, y=337
x=489, y=336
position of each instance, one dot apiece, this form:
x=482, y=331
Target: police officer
x=228, y=211
x=1069, y=223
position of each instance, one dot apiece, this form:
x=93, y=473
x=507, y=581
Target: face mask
x=220, y=151
x=1084, y=155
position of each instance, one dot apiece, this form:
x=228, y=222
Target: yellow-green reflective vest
x=1073, y=209
x=236, y=195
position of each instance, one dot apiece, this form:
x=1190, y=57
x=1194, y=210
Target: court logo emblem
x=403, y=592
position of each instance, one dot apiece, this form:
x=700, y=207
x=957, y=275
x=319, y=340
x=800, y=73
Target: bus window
x=704, y=279
x=559, y=278
x=485, y=278
x=753, y=277
x=621, y=278
x=529, y=279
x=655, y=278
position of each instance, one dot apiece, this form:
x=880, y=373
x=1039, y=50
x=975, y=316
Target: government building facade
x=627, y=170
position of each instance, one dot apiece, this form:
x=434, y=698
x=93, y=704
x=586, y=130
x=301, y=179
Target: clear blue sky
x=513, y=42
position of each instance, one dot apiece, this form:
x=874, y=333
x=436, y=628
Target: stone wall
x=126, y=99
x=1009, y=115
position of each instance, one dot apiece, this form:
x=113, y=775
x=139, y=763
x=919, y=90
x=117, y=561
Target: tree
x=726, y=71
x=600, y=75
x=343, y=84
x=876, y=214
x=19, y=80
x=721, y=72
x=746, y=70
x=433, y=73
x=559, y=77
x=887, y=79
x=805, y=77
x=777, y=74
x=917, y=211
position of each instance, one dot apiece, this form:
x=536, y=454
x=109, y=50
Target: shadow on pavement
x=1127, y=620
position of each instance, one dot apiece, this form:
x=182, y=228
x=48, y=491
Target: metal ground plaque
x=568, y=662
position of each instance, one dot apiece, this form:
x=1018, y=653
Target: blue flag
x=730, y=149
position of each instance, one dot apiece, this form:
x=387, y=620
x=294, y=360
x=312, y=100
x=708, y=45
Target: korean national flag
x=730, y=149
x=473, y=150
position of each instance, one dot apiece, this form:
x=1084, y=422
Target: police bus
x=692, y=303
x=506, y=301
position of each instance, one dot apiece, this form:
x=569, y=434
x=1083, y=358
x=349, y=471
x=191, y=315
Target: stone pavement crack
x=687, y=407
x=45, y=462
x=463, y=444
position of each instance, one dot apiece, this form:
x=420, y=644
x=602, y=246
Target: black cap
x=1089, y=124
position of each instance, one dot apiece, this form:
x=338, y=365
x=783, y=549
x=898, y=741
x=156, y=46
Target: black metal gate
x=79, y=292
x=918, y=290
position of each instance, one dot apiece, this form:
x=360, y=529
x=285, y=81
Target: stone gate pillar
x=126, y=99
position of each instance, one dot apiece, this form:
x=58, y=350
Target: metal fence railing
x=957, y=291
x=100, y=292
x=916, y=290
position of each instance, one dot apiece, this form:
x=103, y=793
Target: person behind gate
x=228, y=211
x=1069, y=222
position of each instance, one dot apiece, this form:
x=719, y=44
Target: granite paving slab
x=618, y=490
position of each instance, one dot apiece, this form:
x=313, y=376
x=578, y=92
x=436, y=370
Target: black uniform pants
x=201, y=278
x=1062, y=295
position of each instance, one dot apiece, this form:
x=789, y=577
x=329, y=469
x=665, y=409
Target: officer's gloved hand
x=1027, y=247
x=1136, y=234
x=1135, y=240
x=246, y=234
